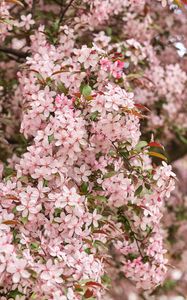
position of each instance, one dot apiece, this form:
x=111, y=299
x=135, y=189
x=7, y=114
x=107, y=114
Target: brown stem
x=64, y=11
x=14, y=52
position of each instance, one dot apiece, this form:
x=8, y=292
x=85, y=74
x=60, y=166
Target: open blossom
x=26, y=21
x=163, y=174
x=51, y=274
x=18, y=270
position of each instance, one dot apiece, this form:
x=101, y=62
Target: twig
x=14, y=52
x=64, y=11
x=33, y=8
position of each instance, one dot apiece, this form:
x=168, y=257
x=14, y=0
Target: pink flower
x=18, y=268
x=95, y=218
x=27, y=21
x=52, y=273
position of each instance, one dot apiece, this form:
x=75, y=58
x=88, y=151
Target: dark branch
x=33, y=8
x=17, y=53
x=64, y=11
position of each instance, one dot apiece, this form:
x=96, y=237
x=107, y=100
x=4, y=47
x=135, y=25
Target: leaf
x=24, y=220
x=141, y=145
x=50, y=138
x=100, y=231
x=88, y=293
x=147, y=186
x=61, y=88
x=86, y=91
x=183, y=139
x=138, y=190
x=101, y=198
x=94, y=116
x=141, y=106
x=14, y=293
x=155, y=144
x=180, y=2
x=89, y=98
x=16, y=2
x=84, y=188
x=110, y=174
x=11, y=222
x=133, y=112
x=156, y=154
x=78, y=95
x=11, y=197
x=93, y=283
x=8, y=171
x=134, y=76
x=34, y=246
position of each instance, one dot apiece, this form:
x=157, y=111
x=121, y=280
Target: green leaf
x=110, y=174
x=14, y=293
x=61, y=88
x=45, y=183
x=106, y=279
x=131, y=256
x=24, y=220
x=86, y=91
x=94, y=116
x=87, y=250
x=57, y=212
x=147, y=186
x=100, y=198
x=50, y=138
x=169, y=284
x=138, y=190
x=8, y=171
x=34, y=246
x=183, y=139
x=141, y=145
x=84, y=188
x=109, y=31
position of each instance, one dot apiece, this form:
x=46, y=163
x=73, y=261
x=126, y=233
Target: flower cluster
x=84, y=184
x=81, y=198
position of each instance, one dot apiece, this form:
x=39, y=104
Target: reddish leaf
x=77, y=286
x=88, y=293
x=12, y=198
x=77, y=95
x=93, y=283
x=141, y=106
x=16, y=2
x=155, y=144
x=100, y=231
x=133, y=112
x=11, y=222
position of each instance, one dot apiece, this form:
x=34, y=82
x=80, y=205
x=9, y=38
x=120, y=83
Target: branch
x=64, y=11
x=33, y=8
x=17, y=53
